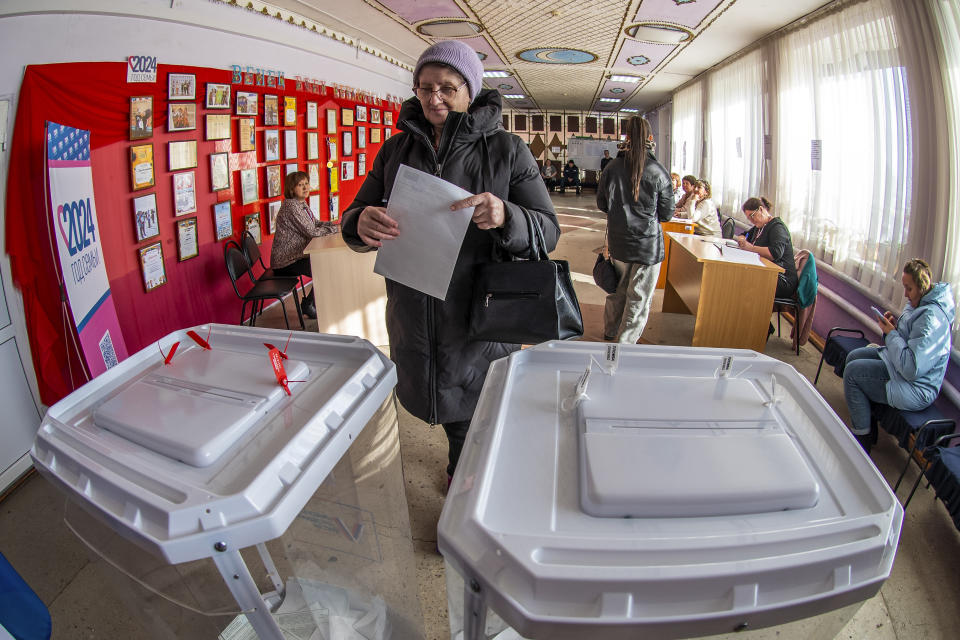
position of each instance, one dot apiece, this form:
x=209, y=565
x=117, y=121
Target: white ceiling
x=715, y=29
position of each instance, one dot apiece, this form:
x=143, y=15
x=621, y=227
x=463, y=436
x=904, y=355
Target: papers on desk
x=739, y=255
x=424, y=254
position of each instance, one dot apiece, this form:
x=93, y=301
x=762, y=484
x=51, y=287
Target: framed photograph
x=247, y=133
x=346, y=117
x=290, y=168
x=386, y=134
x=334, y=208
x=289, y=144
x=141, y=166
x=141, y=117
x=249, y=190
x=181, y=86
x=333, y=177
x=271, y=145
x=151, y=265
x=219, y=171
x=361, y=164
x=313, y=175
x=290, y=111
x=187, y=245
x=312, y=115
x=247, y=103
x=251, y=223
x=274, y=181
x=374, y=135
x=346, y=170
x=332, y=148
x=181, y=116
x=348, y=143
x=223, y=220
x=183, y=155
x=218, y=126
x=313, y=145
x=218, y=96
x=271, y=111
x=361, y=113
x=145, y=217
x=361, y=137
x=184, y=193
x=388, y=118
x=273, y=208
x=331, y=121
x=374, y=116
x=314, y=201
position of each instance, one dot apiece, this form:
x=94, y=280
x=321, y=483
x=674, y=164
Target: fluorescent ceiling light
x=629, y=110
x=632, y=79
x=496, y=74
x=609, y=100
x=514, y=96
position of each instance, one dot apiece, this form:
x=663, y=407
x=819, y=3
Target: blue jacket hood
x=941, y=296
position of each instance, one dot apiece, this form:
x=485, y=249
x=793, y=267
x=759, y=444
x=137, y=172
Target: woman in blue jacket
x=907, y=371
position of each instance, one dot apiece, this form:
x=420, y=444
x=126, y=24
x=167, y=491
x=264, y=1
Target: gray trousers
x=626, y=310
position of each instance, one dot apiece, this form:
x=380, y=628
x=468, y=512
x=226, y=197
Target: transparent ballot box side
x=672, y=492
x=228, y=506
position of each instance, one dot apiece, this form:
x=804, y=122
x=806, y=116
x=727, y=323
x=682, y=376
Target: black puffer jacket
x=440, y=373
x=633, y=226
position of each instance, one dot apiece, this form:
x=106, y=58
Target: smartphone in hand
x=878, y=312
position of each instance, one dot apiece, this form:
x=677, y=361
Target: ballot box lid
x=206, y=447
x=675, y=490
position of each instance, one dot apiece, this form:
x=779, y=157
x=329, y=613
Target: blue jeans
x=865, y=380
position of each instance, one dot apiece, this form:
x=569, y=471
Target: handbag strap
x=538, y=247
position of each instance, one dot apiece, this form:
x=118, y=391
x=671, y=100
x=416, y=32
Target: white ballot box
x=613, y=492
x=193, y=450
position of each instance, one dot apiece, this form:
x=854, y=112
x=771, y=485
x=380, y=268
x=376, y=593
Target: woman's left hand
x=885, y=325
x=488, y=212
x=742, y=242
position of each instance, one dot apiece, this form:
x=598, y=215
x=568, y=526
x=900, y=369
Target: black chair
x=728, y=228
x=942, y=470
x=260, y=290
x=837, y=347
x=251, y=251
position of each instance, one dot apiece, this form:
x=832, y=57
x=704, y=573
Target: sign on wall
x=75, y=226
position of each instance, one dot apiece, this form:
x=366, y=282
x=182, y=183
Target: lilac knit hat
x=458, y=55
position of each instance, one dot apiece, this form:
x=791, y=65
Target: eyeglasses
x=446, y=92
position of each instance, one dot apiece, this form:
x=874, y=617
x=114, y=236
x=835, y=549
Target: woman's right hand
x=374, y=225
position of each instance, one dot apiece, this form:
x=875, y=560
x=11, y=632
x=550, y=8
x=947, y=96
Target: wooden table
x=351, y=299
x=732, y=301
x=679, y=226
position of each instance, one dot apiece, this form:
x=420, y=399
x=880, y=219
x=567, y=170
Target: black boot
x=866, y=441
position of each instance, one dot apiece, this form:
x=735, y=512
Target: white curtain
x=734, y=140
x=687, y=147
x=844, y=165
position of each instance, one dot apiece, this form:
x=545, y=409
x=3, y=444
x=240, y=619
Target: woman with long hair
x=636, y=193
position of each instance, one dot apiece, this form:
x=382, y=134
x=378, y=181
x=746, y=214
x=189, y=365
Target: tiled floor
x=920, y=600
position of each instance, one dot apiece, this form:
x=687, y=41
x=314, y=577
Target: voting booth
x=273, y=454
x=610, y=491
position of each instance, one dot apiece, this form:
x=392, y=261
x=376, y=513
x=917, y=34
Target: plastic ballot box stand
x=193, y=450
x=609, y=491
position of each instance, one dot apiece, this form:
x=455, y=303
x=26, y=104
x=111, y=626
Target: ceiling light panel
x=496, y=74
x=626, y=79
x=686, y=13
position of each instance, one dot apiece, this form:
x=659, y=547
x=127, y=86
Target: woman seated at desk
x=907, y=371
x=296, y=226
x=770, y=238
x=705, y=213
x=688, y=201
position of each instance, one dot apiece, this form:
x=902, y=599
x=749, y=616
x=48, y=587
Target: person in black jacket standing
x=451, y=129
x=636, y=193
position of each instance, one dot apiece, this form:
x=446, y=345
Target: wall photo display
x=182, y=155
x=271, y=145
x=141, y=166
x=346, y=117
x=290, y=168
x=249, y=190
x=151, y=266
x=247, y=132
x=313, y=145
x=145, y=220
x=218, y=96
x=274, y=181
x=361, y=137
x=187, y=245
x=223, y=220
x=361, y=164
x=218, y=126
x=332, y=148
x=289, y=144
x=346, y=170
x=251, y=223
x=374, y=116
x=386, y=134
x=312, y=115
x=331, y=121
x=374, y=135
x=273, y=208
x=333, y=177
x=361, y=113
x=334, y=207
x=315, y=206
x=141, y=117
x=388, y=118
x=219, y=171
x=181, y=86
x=247, y=103
x=271, y=111
x=290, y=111
x=313, y=175
x=348, y=143
x=181, y=116
x=184, y=193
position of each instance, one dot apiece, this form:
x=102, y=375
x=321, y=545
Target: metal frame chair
x=275, y=289
x=941, y=473
x=836, y=349
x=727, y=228
x=251, y=251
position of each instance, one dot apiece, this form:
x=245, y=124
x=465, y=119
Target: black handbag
x=525, y=301
x=604, y=274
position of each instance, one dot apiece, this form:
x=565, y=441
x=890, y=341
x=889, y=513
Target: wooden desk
x=732, y=301
x=677, y=225
x=351, y=299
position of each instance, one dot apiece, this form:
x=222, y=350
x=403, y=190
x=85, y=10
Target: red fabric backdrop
x=96, y=97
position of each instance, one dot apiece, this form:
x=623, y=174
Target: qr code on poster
x=106, y=350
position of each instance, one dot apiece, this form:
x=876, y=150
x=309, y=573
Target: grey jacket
x=440, y=373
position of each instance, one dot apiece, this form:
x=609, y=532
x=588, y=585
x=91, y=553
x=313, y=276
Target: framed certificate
x=271, y=111
x=332, y=148
x=222, y=220
x=388, y=118
x=313, y=145
x=361, y=137
x=274, y=181
x=333, y=177
x=315, y=206
x=183, y=155
x=313, y=175
x=141, y=166
x=249, y=190
x=361, y=164
x=247, y=103
x=289, y=144
x=247, y=134
x=184, y=193
x=346, y=117
x=290, y=111
x=291, y=167
x=181, y=86
x=374, y=116
x=361, y=113
x=187, y=246
x=374, y=135
x=386, y=134
x=334, y=207
x=273, y=208
x=312, y=115
x=219, y=171
x=141, y=117
x=218, y=96
x=145, y=220
x=181, y=116
x=271, y=145
x=151, y=266
x=331, y=121
x=346, y=170
x=251, y=223
x=218, y=126
x=348, y=143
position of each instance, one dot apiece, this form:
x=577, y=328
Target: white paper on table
x=739, y=255
x=423, y=255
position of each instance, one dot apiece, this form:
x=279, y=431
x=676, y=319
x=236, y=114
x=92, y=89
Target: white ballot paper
x=424, y=254
x=739, y=255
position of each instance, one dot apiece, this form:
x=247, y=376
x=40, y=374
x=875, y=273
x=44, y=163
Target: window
x=687, y=130
x=519, y=122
